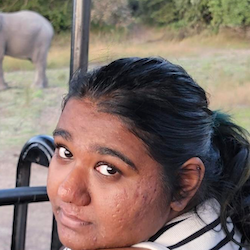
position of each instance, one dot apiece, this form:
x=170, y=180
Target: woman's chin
x=76, y=240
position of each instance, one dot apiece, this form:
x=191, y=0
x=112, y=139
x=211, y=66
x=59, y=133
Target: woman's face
x=105, y=190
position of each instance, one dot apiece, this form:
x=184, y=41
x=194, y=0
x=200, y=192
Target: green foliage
x=232, y=13
x=159, y=12
x=194, y=11
x=181, y=13
x=111, y=13
x=120, y=14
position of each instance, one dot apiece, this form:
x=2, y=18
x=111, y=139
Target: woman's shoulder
x=197, y=229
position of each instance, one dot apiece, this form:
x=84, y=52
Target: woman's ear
x=190, y=177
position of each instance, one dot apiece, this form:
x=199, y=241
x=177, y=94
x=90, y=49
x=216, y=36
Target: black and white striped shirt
x=200, y=230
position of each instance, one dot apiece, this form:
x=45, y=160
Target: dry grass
x=219, y=63
x=227, y=97
x=140, y=42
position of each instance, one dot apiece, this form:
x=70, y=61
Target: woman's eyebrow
x=63, y=133
x=108, y=151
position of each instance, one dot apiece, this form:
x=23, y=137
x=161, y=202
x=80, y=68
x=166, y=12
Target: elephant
x=26, y=35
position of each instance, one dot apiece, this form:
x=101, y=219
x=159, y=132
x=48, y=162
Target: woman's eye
x=106, y=169
x=64, y=153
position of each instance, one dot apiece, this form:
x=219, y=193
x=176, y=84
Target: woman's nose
x=74, y=189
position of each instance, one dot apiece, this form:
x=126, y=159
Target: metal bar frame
x=38, y=149
x=80, y=36
x=23, y=195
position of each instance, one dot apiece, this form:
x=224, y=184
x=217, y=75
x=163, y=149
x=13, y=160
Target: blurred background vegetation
x=187, y=15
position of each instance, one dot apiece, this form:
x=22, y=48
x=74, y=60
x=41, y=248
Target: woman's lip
x=71, y=221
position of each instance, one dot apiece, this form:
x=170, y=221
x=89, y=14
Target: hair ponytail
x=234, y=184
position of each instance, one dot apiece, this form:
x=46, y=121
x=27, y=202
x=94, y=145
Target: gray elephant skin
x=26, y=35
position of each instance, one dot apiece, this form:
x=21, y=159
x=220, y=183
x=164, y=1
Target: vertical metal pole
x=20, y=211
x=80, y=35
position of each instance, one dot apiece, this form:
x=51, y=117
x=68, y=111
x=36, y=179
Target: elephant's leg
x=3, y=84
x=40, y=62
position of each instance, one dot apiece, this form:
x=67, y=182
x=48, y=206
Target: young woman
x=141, y=161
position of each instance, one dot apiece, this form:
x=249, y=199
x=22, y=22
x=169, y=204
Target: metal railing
x=39, y=150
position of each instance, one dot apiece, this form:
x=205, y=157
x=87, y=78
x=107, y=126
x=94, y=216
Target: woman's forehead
x=83, y=121
x=83, y=113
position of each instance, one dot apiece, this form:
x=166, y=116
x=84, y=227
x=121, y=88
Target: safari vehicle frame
x=39, y=149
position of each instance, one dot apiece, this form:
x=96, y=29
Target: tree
x=157, y=12
x=164, y=12
x=232, y=13
x=115, y=13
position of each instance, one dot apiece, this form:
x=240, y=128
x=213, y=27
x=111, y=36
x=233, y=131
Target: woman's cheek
x=130, y=205
x=55, y=178
x=51, y=189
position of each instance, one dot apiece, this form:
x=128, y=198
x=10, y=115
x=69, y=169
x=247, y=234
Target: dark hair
x=162, y=105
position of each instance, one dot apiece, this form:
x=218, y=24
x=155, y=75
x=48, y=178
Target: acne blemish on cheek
x=57, y=211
